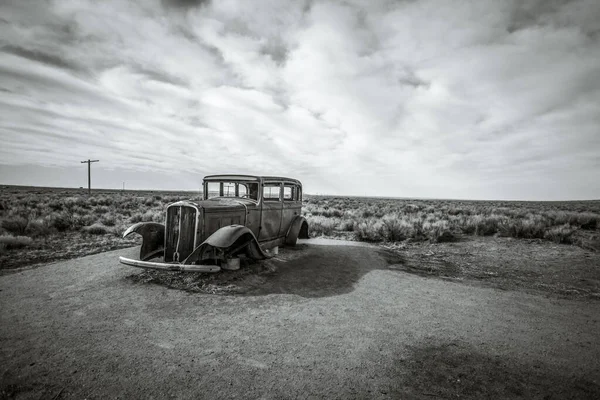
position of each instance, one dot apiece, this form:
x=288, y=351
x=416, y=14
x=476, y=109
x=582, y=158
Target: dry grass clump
x=394, y=220
x=96, y=229
x=561, y=234
x=41, y=216
x=9, y=242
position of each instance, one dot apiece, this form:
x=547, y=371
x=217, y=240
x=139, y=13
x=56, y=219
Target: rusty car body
x=238, y=216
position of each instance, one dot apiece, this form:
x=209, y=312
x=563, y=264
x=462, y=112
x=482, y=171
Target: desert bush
x=438, y=231
x=333, y=212
x=369, y=231
x=523, y=228
x=320, y=225
x=55, y=205
x=346, y=225
x=61, y=221
x=395, y=228
x=585, y=220
x=155, y=216
x=96, y=229
x=367, y=213
x=39, y=228
x=135, y=218
x=80, y=220
x=16, y=225
x=104, y=201
x=9, y=242
x=72, y=202
x=481, y=225
x=560, y=234
x=108, y=219
x=101, y=209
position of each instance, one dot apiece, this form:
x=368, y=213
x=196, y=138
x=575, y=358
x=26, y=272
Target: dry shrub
x=61, y=221
x=55, y=205
x=346, y=225
x=135, y=218
x=561, y=234
x=104, y=201
x=16, y=225
x=81, y=220
x=320, y=225
x=72, y=202
x=368, y=231
x=108, y=219
x=155, y=216
x=96, y=229
x=524, y=228
x=482, y=225
x=395, y=228
x=101, y=209
x=438, y=231
x=9, y=242
x=40, y=228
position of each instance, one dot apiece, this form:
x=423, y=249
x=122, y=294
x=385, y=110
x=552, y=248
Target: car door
x=291, y=207
x=271, y=204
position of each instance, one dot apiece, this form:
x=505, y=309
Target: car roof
x=237, y=177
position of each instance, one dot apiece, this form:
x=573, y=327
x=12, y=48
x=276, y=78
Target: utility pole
x=89, y=163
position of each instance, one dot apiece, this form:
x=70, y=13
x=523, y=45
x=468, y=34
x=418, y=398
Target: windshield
x=244, y=190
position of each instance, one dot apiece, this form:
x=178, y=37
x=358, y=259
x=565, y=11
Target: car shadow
x=306, y=270
x=317, y=270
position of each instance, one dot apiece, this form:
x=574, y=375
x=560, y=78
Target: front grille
x=180, y=232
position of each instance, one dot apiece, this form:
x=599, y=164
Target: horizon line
x=383, y=197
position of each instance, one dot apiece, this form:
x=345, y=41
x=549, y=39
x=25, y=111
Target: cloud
x=425, y=98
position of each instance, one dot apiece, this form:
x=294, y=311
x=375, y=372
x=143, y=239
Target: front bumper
x=169, y=266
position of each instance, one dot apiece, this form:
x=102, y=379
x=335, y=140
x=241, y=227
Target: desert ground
x=326, y=319
x=390, y=298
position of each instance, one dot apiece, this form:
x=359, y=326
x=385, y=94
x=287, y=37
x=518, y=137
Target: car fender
x=298, y=229
x=153, y=238
x=230, y=239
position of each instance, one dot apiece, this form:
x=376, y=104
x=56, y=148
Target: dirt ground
x=479, y=319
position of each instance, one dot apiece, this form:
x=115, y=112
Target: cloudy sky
x=447, y=99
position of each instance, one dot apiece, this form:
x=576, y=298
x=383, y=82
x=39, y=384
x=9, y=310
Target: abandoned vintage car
x=239, y=216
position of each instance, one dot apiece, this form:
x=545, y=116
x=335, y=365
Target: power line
x=89, y=163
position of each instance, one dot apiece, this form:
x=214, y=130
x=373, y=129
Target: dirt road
x=333, y=322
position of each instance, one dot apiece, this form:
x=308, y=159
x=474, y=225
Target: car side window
x=271, y=191
x=252, y=191
x=298, y=194
x=242, y=190
x=289, y=193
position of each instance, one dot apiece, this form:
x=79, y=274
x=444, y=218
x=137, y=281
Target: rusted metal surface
x=240, y=214
x=181, y=226
x=153, y=235
x=169, y=266
x=298, y=230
